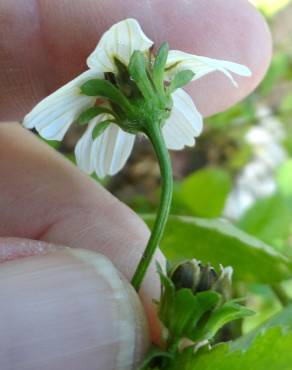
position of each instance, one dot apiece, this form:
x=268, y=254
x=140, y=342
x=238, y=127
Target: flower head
x=139, y=88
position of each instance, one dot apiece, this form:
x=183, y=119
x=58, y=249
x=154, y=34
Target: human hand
x=44, y=197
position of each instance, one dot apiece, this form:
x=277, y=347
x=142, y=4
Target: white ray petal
x=108, y=152
x=201, y=66
x=120, y=41
x=184, y=124
x=83, y=148
x=53, y=116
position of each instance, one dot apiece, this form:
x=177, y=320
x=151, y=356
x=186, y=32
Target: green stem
x=157, y=140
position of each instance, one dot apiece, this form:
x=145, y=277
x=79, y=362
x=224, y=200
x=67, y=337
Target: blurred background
x=240, y=168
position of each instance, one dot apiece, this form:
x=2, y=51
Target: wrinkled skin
x=43, y=197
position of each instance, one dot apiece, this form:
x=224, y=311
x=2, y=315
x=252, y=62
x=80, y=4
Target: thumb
x=66, y=309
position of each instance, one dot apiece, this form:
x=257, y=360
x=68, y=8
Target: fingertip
x=222, y=29
x=68, y=308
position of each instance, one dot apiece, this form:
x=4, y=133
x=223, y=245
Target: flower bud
x=186, y=275
x=193, y=275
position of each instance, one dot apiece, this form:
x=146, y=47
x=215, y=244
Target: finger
x=61, y=34
x=67, y=309
x=43, y=196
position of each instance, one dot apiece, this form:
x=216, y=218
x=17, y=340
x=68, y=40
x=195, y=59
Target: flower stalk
x=155, y=136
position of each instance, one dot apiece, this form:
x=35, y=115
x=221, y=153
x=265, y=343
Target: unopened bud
x=186, y=275
x=193, y=275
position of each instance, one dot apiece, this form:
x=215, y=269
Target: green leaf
x=124, y=80
x=92, y=112
x=286, y=104
x=284, y=179
x=217, y=241
x=230, y=311
x=278, y=70
x=167, y=295
x=99, y=128
x=181, y=79
x=159, y=66
x=267, y=348
x=105, y=89
x=53, y=143
x=138, y=72
x=186, y=309
x=269, y=219
x=154, y=354
x=205, y=192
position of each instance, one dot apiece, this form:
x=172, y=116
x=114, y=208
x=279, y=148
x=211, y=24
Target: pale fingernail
x=69, y=309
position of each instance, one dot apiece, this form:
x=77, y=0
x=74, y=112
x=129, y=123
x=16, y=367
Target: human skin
x=43, y=197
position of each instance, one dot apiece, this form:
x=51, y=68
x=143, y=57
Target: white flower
x=107, y=154
x=53, y=116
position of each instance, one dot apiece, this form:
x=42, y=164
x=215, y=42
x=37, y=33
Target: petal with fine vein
x=53, y=116
x=184, y=124
x=120, y=41
x=178, y=61
x=83, y=148
x=111, y=150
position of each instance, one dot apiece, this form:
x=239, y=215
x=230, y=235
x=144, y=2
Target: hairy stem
x=162, y=154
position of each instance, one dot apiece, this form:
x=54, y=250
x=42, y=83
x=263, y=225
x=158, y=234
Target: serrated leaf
x=217, y=241
x=267, y=348
x=181, y=79
x=92, y=112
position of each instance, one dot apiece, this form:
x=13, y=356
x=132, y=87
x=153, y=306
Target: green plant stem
x=157, y=140
x=281, y=294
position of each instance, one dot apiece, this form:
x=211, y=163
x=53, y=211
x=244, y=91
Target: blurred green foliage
x=270, y=219
x=202, y=200
x=270, y=7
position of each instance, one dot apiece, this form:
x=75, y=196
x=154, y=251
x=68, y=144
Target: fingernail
x=69, y=309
